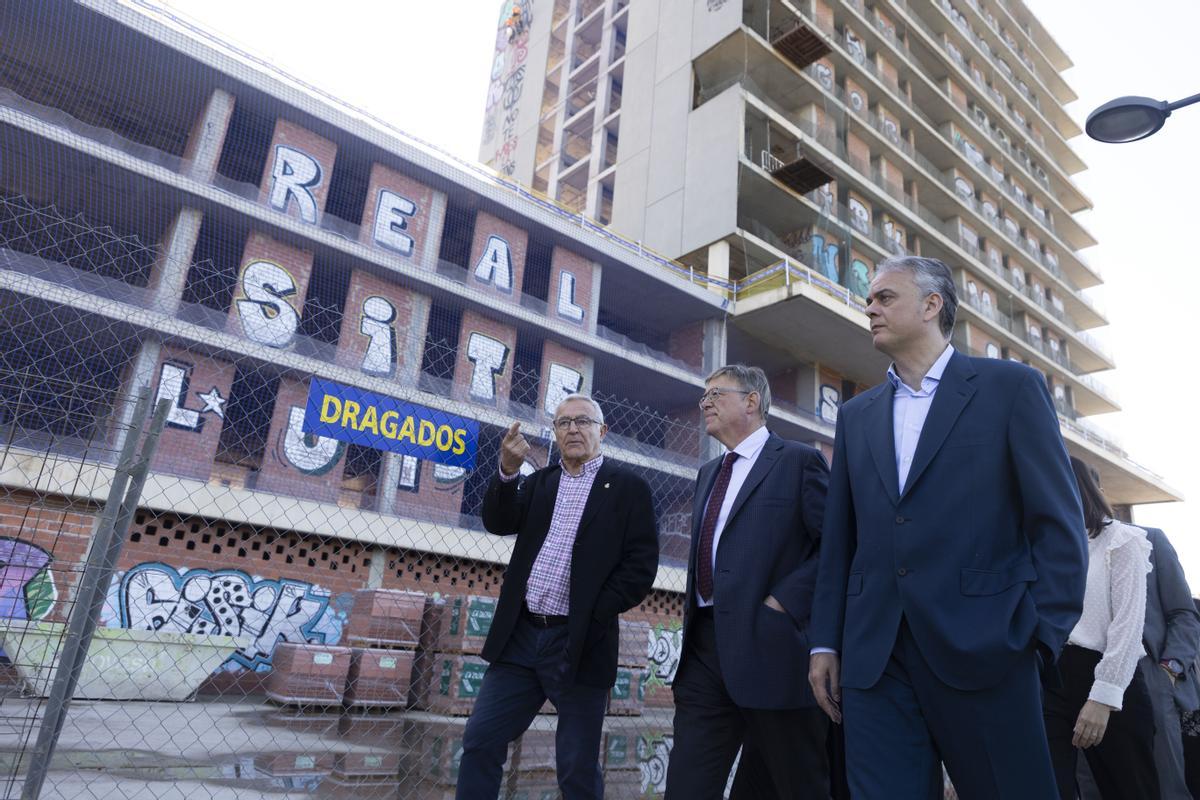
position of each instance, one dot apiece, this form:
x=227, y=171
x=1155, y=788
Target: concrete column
x=377, y=568
x=594, y=307
x=414, y=341
x=433, y=233
x=716, y=343
x=718, y=264
x=139, y=373
x=389, y=479
x=207, y=137
x=170, y=272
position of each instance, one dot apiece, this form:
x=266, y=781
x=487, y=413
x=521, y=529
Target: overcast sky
x=424, y=66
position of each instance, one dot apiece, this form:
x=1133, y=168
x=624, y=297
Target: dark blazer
x=768, y=547
x=1172, y=624
x=612, y=566
x=984, y=553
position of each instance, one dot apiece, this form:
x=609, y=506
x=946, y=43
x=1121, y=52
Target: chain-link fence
x=283, y=610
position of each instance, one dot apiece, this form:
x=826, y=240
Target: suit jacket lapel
x=953, y=393
x=598, y=497
x=766, y=460
x=881, y=439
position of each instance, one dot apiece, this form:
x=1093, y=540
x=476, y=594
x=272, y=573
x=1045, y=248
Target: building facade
x=780, y=149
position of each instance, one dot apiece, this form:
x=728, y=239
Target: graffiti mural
x=859, y=280
x=27, y=589
x=860, y=215
x=664, y=652
x=825, y=258
x=824, y=75
x=653, y=754
x=153, y=596
x=508, y=82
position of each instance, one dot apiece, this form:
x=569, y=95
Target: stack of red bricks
x=628, y=694
x=373, y=669
x=449, y=671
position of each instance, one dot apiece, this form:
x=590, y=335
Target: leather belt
x=543, y=620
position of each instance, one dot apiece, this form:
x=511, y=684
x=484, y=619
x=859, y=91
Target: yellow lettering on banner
x=370, y=420
x=387, y=424
x=460, y=442
x=407, y=429
x=444, y=442
x=350, y=415
x=330, y=402
x=425, y=433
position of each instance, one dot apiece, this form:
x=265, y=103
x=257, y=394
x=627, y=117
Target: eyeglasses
x=712, y=395
x=582, y=423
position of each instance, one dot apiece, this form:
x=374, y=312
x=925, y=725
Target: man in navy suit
x=756, y=525
x=953, y=560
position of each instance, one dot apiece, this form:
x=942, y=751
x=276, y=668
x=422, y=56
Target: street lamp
x=1128, y=119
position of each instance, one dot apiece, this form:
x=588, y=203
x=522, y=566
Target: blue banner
x=353, y=415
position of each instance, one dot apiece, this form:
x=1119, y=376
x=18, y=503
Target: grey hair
x=587, y=398
x=749, y=379
x=932, y=277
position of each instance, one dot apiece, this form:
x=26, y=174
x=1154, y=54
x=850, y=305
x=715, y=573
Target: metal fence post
x=93, y=583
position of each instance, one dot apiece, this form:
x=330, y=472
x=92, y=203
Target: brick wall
x=561, y=305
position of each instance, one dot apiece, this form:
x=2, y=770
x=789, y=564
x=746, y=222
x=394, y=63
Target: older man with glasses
x=586, y=550
x=756, y=526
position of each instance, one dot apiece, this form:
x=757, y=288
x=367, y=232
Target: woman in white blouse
x=1103, y=706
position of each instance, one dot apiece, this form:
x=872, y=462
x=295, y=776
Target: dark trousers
x=529, y=671
x=710, y=728
x=1122, y=764
x=899, y=731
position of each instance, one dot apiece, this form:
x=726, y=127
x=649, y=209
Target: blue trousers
x=900, y=731
x=530, y=670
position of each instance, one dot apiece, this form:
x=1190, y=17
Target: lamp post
x=1128, y=119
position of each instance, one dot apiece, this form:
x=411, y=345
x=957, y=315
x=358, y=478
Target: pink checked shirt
x=549, y=588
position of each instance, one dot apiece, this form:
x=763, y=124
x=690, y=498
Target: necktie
x=704, y=577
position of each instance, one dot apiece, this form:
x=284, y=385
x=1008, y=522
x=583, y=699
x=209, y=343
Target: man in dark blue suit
x=953, y=560
x=756, y=526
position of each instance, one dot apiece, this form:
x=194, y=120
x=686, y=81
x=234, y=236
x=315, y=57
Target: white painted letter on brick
x=566, y=298
x=561, y=381
x=173, y=386
x=312, y=455
x=267, y=315
x=295, y=174
x=391, y=221
x=487, y=355
x=495, y=265
x=378, y=318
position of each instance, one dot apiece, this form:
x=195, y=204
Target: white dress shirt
x=747, y=450
x=1114, y=608
x=910, y=408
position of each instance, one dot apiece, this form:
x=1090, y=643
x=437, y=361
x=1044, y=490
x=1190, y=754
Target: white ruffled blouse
x=1114, y=608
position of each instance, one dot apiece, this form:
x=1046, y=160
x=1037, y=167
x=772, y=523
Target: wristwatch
x=1172, y=666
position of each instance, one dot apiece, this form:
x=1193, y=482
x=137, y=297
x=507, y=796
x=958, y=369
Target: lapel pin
x=606, y=486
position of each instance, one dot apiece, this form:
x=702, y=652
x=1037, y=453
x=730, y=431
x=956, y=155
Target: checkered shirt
x=549, y=587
